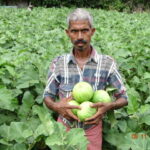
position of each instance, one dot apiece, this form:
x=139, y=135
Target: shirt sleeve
x=116, y=81
x=52, y=84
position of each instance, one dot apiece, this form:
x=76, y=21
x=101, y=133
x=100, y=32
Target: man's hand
x=102, y=108
x=64, y=109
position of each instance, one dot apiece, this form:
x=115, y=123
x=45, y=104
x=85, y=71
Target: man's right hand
x=62, y=107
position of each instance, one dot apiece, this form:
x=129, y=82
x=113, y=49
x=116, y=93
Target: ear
x=67, y=32
x=93, y=30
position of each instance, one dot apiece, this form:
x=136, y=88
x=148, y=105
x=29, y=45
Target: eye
x=74, y=31
x=84, y=30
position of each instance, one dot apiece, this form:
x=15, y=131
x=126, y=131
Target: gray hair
x=80, y=14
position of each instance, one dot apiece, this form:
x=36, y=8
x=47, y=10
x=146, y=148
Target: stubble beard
x=80, y=48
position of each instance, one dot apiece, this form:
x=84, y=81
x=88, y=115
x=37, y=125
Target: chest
x=81, y=65
x=71, y=73
x=90, y=72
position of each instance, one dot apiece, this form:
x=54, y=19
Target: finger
x=94, y=116
x=97, y=104
x=96, y=121
x=91, y=118
x=72, y=115
x=68, y=116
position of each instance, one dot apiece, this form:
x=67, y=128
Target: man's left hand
x=102, y=108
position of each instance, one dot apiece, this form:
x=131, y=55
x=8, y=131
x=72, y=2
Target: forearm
x=119, y=103
x=62, y=107
x=50, y=103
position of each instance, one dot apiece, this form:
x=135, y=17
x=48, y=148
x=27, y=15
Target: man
x=82, y=64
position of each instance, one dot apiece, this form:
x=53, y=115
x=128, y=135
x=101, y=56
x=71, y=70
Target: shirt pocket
x=65, y=90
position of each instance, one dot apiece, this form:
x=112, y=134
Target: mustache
x=80, y=41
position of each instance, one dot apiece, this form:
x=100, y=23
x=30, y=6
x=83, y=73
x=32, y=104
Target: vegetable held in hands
x=102, y=102
x=82, y=92
x=86, y=111
x=92, y=104
x=101, y=96
x=73, y=102
x=65, y=109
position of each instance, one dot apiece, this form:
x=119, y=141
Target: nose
x=80, y=35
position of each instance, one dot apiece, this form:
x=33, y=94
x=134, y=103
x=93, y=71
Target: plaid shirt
x=100, y=71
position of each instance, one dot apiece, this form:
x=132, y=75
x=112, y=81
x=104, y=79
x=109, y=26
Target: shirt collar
x=93, y=57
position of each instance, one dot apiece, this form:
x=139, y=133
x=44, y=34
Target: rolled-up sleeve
x=52, y=85
x=116, y=81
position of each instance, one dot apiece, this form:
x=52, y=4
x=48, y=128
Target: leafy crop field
x=28, y=43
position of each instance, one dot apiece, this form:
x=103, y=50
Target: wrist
x=50, y=103
x=114, y=105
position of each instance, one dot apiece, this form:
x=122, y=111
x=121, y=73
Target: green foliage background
x=29, y=40
x=119, y=5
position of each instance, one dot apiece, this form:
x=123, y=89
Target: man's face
x=80, y=33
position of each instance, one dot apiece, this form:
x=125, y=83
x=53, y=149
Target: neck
x=84, y=54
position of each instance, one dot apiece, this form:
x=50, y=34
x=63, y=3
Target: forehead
x=78, y=24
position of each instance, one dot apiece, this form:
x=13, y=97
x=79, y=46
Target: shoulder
x=102, y=56
x=54, y=62
x=106, y=58
x=106, y=61
x=58, y=61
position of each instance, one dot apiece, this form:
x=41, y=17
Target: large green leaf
x=111, y=117
x=27, y=103
x=11, y=70
x=33, y=122
x=5, y=132
x=133, y=124
x=135, y=141
x=7, y=117
x=144, y=108
x=20, y=131
x=131, y=140
x=4, y=142
x=146, y=75
x=14, y=147
x=115, y=138
x=145, y=118
x=28, y=77
x=73, y=137
x=7, y=101
x=147, y=100
x=20, y=147
x=47, y=124
x=133, y=103
x=122, y=125
x=58, y=138
x=67, y=140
